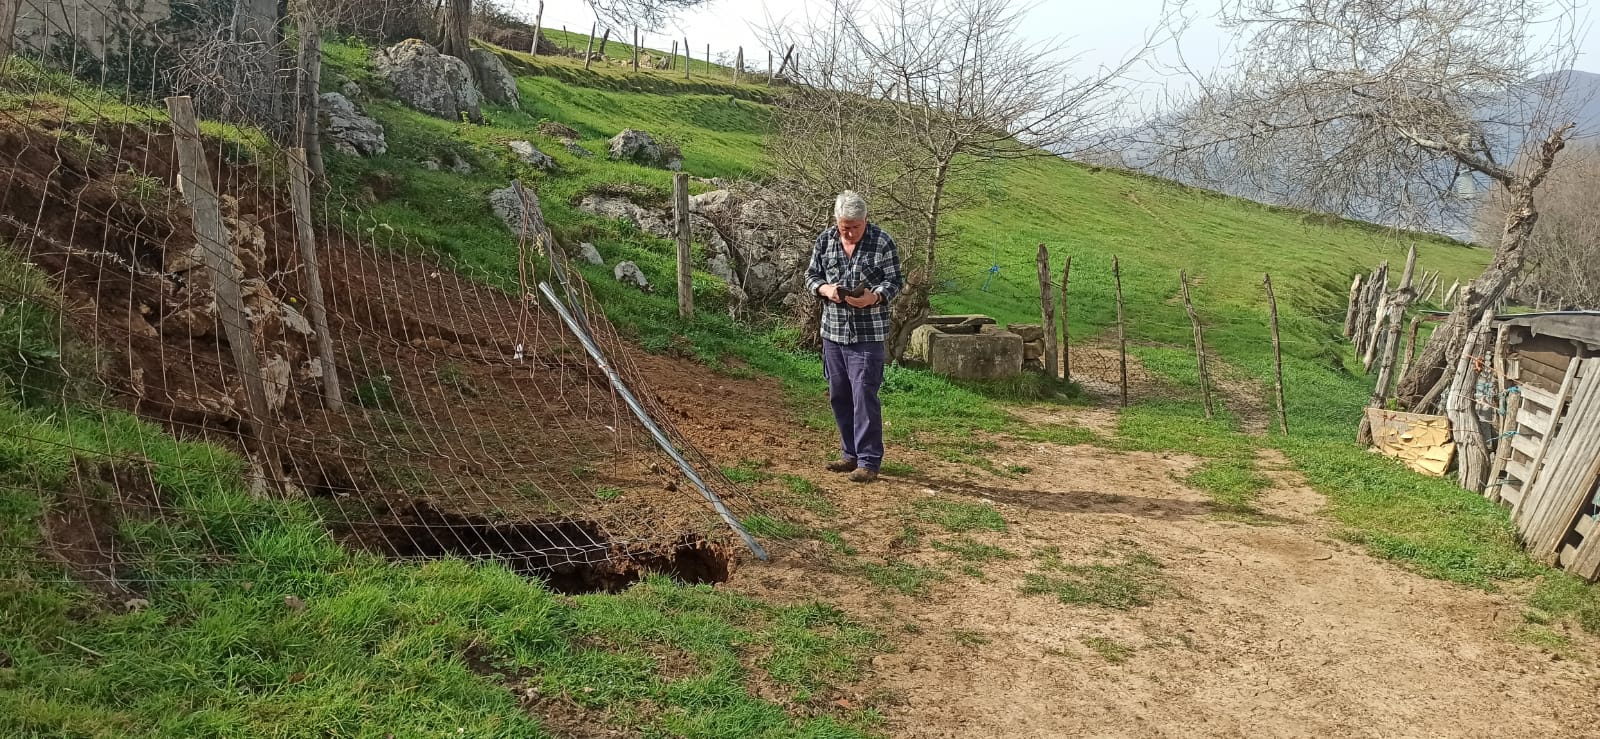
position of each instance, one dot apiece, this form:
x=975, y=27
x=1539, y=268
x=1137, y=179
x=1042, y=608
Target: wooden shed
x=1547, y=460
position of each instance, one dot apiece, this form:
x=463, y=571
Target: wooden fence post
x=1350, y=310
x=1277, y=354
x=1047, y=313
x=212, y=235
x=708, y=60
x=310, y=82
x=738, y=65
x=300, y=201
x=1066, y=333
x=565, y=38
x=1411, y=342
x=538, y=26
x=785, y=64
x=8, y=26
x=604, y=39
x=1502, y=449
x=588, y=51
x=680, y=217
x=672, y=60
x=688, y=57
x=635, y=49
x=769, y=67
x=1388, y=345
x=1199, y=344
x=1122, y=331
x=1460, y=407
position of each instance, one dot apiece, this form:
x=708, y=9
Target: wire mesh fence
x=471, y=422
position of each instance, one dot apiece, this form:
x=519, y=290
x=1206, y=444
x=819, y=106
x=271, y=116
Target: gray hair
x=849, y=206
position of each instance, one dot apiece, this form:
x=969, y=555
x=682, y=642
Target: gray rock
x=508, y=207
x=644, y=219
x=573, y=147
x=350, y=89
x=629, y=273
x=589, y=255
x=718, y=266
x=350, y=131
x=530, y=155
x=498, y=84
x=637, y=147
x=431, y=82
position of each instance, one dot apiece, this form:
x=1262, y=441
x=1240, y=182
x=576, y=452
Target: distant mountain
x=1577, y=100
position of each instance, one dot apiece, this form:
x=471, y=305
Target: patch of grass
x=453, y=376
x=376, y=392
x=971, y=571
x=770, y=527
x=892, y=468
x=608, y=493
x=1018, y=469
x=1561, y=596
x=747, y=472
x=901, y=576
x=958, y=517
x=1544, y=638
x=973, y=551
x=1109, y=649
x=970, y=639
x=1131, y=580
x=910, y=537
x=836, y=541
x=1180, y=426
x=1233, y=484
x=807, y=495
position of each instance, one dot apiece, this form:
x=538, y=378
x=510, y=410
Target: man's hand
x=830, y=292
x=867, y=300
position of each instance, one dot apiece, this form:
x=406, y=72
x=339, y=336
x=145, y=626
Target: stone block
x=1028, y=331
x=1033, y=349
x=974, y=356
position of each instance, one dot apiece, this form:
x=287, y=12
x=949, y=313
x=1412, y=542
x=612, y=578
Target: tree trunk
x=455, y=31
x=1434, y=369
x=913, y=306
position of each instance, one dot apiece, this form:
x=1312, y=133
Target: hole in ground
x=570, y=557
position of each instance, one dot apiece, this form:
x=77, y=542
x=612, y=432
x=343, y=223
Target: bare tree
x=646, y=14
x=1379, y=106
x=909, y=99
x=1564, y=248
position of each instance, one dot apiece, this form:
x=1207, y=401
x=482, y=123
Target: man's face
x=851, y=231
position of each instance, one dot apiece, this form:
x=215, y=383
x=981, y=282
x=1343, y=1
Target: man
x=855, y=268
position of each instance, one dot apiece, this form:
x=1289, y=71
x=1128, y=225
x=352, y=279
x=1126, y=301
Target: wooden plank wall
x=1553, y=469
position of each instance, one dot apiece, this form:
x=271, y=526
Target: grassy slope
x=219, y=651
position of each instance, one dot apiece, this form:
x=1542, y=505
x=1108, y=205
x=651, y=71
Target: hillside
x=1026, y=534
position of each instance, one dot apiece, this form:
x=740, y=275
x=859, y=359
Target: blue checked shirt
x=875, y=264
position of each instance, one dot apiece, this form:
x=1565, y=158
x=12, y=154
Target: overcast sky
x=1099, y=32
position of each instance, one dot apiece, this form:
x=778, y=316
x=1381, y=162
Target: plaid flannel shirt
x=875, y=264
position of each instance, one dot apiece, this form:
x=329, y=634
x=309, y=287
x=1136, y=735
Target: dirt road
x=1254, y=629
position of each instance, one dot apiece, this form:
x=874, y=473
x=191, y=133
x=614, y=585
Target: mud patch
x=570, y=556
x=80, y=531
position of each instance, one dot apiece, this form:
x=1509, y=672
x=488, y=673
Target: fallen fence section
x=649, y=424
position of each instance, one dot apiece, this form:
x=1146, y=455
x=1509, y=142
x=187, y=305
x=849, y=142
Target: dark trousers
x=855, y=372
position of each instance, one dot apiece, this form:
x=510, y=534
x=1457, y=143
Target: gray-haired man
x=855, y=267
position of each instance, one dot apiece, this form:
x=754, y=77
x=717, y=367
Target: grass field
x=312, y=640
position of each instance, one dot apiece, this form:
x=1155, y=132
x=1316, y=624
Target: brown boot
x=842, y=466
x=862, y=474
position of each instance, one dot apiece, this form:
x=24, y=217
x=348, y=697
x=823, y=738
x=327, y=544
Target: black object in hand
x=853, y=292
